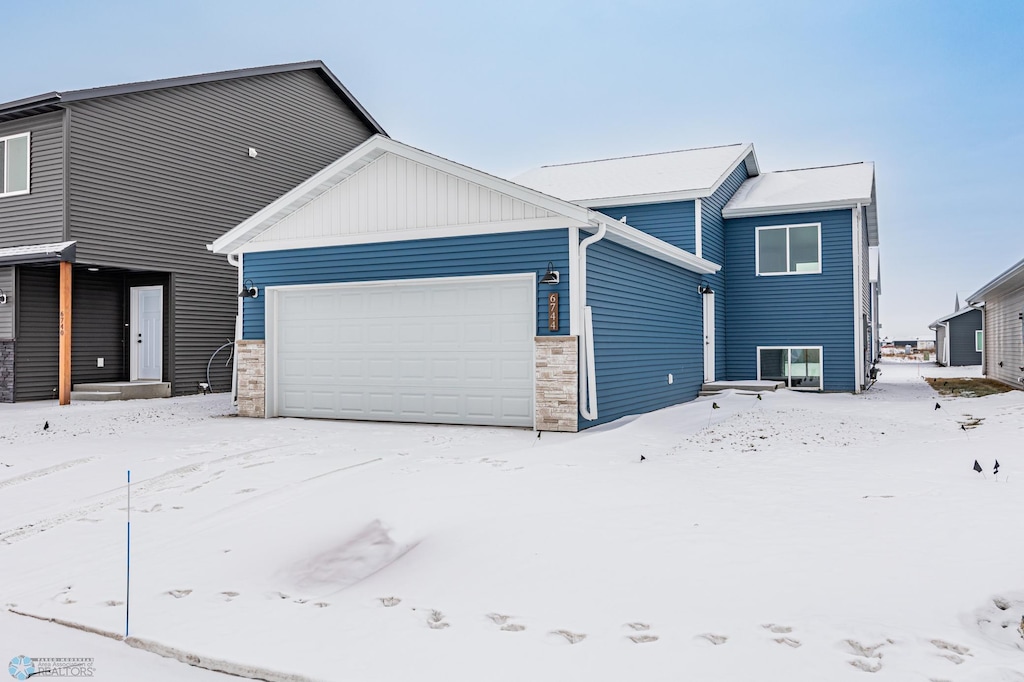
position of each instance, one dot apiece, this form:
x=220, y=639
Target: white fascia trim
x=758, y=211
x=858, y=304
x=698, y=238
x=620, y=233
x=362, y=155
x=748, y=150
x=410, y=235
x=657, y=198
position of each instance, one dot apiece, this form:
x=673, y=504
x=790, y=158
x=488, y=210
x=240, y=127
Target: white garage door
x=452, y=351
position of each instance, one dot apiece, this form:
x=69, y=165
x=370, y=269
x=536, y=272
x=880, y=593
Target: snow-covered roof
x=37, y=253
x=808, y=189
x=1013, y=277
x=946, y=318
x=648, y=178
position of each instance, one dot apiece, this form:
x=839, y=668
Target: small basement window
x=14, y=171
x=789, y=249
x=979, y=340
x=799, y=368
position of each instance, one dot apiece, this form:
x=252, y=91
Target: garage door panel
x=450, y=352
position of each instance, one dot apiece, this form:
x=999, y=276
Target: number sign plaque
x=553, y=312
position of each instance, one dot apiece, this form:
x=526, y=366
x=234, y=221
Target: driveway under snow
x=797, y=537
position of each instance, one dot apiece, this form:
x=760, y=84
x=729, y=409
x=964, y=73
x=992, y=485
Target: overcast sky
x=932, y=92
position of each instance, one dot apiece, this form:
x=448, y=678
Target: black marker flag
x=977, y=467
x=996, y=470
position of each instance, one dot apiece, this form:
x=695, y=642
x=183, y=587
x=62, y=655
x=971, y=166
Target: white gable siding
x=394, y=194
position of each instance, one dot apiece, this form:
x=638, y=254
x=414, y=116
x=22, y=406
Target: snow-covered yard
x=797, y=537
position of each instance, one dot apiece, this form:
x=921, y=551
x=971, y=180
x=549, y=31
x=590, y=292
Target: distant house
x=397, y=285
x=1003, y=301
x=108, y=200
x=959, y=338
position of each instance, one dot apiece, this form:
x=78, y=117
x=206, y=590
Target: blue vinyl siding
x=793, y=310
x=494, y=254
x=647, y=324
x=713, y=248
x=673, y=222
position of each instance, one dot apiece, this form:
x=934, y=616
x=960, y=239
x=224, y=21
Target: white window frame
x=979, y=340
x=789, y=379
x=757, y=250
x=7, y=165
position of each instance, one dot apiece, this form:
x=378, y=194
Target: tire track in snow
x=39, y=473
x=158, y=483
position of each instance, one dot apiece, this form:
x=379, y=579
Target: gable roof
x=1011, y=278
x=566, y=214
x=809, y=189
x=647, y=178
x=958, y=313
x=52, y=101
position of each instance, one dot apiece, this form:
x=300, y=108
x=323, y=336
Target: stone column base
x=252, y=378
x=556, y=402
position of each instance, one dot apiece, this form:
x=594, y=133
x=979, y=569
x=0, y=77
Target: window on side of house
x=798, y=368
x=979, y=340
x=789, y=249
x=14, y=170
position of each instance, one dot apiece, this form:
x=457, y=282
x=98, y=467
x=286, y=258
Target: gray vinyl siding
x=1004, y=345
x=35, y=361
x=7, y=310
x=37, y=217
x=97, y=327
x=962, y=342
x=156, y=176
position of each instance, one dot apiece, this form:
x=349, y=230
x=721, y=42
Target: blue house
x=397, y=285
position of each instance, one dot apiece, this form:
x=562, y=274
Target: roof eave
x=1015, y=270
x=758, y=211
x=657, y=198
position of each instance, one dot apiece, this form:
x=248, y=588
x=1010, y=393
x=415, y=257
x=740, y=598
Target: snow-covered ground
x=797, y=537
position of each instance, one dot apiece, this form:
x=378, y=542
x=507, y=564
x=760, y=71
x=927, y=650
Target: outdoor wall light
x=249, y=290
x=551, y=276
x=705, y=288
x=3, y=297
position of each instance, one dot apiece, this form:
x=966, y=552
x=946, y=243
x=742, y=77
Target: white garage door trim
x=272, y=326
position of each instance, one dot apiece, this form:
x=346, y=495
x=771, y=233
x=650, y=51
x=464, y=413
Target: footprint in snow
x=778, y=629
x=867, y=651
x=513, y=627
x=643, y=639
x=715, y=639
x=871, y=666
x=178, y=594
x=388, y=602
x=498, y=618
x=950, y=651
x=228, y=596
x=639, y=626
x=436, y=621
x=321, y=604
x=571, y=637
x=245, y=490
x=788, y=641
x=113, y=602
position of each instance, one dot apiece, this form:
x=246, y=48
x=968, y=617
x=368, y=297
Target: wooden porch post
x=64, y=381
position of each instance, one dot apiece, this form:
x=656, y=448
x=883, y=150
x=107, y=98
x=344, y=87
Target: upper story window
x=789, y=249
x=14, y=164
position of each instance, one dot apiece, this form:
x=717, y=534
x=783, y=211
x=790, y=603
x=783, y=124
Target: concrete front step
x=121, y=390
x=752, y=386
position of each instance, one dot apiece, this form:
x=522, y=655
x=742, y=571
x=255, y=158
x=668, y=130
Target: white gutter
x=587, y=374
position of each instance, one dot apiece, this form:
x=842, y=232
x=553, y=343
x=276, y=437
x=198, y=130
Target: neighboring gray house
x=958, y=338
x=124, y=186
x=1003, y=300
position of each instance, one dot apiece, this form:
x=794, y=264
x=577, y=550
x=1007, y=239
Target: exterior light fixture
x=551, y=276
x=705, y=288
x=249, y=290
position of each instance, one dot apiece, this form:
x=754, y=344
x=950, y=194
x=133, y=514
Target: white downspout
x=588, y=376
x=236, y=261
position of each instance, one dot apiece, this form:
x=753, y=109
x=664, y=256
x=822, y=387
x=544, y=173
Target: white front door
x=709, y=337
x=147, y=333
